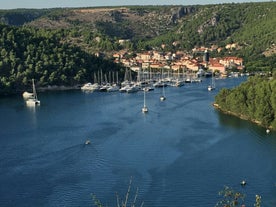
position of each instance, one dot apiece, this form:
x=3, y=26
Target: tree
x=254, y=99
x=230, y=198
x=258, y=201
x=121, y=203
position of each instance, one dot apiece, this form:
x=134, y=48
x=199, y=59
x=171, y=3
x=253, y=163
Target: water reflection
x=231, y=121
x=32, y=114
x=237, y=123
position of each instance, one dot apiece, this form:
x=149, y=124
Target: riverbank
x=40, y=89
x=58, y=88
x=241, y=116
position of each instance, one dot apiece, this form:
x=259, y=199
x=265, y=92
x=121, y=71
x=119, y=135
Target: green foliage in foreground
x=229, y=198
x=232, y=198
x=121, y=203
x=27, y=53
x=254, y=100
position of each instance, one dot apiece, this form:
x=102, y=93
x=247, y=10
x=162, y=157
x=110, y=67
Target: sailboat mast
x=144, y=98
x=34, y=91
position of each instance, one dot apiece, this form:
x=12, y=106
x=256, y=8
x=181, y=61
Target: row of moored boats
x=132, y=86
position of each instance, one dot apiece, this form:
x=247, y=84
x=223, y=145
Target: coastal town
x=181, y=61
x=156, y=68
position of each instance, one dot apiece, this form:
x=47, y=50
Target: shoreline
x=58, y=88
x=241, y=116
x=42, y=89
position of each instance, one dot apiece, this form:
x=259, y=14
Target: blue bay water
x=182, y=153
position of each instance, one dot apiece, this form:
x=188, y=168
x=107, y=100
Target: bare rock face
x=210, y=23
x=179, y=12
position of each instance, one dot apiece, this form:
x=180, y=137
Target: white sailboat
x=163, y=97
x=33, y=101
x=145, y=108
x=212, y=86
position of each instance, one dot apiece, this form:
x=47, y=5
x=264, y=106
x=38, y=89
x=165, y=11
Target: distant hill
x=119, y=22
x=18, y=17
x=251, y=26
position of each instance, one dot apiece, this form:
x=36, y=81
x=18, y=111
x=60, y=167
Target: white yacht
x=179, y=83
x=132, y=89
x=159, y=84
x=90, y=87
x=163, y=97
x=33, y=101
x=212, y=86
x=113, y=87
x=145, y=108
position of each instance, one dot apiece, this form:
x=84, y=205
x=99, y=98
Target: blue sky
x=12, y=4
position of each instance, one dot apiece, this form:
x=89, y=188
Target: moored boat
x=33, y=101
x=26, y=95
x=113, y=87
x=132, y=89
x=90, y=87
x=212, y=86
x=145, y=108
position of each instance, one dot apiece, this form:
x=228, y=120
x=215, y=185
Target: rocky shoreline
x=241, y=116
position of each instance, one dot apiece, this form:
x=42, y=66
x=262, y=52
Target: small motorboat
x=243, y=183
x=162, y=98
x=87, y=142
x=267, y=131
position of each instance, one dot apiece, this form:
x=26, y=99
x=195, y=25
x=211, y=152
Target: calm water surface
x=182, y=153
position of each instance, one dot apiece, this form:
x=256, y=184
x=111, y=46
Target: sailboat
x=212, y=86
x=145, y=108
x=33, y=101
x=163, y=97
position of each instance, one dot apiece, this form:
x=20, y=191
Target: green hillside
x=28, y=53
x=251, y=25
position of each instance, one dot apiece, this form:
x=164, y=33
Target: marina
x=182, y=151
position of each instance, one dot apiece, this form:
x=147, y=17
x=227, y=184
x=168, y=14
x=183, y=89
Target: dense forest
x=28, y=53
x=253, y=100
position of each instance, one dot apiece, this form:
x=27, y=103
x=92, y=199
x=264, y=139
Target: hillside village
x=180, y=61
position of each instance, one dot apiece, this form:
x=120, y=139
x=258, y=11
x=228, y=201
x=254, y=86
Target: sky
x=38, y=4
